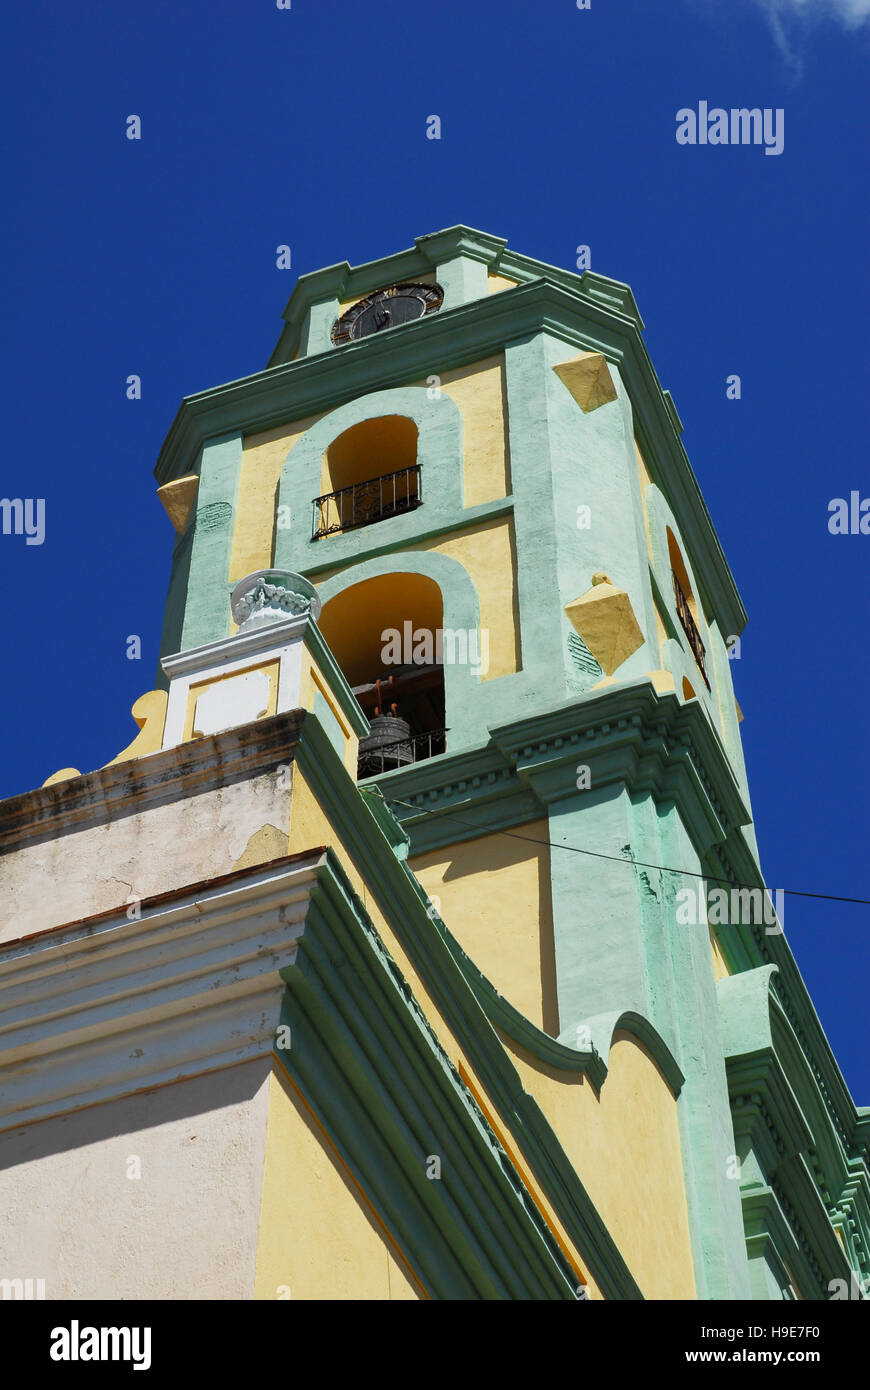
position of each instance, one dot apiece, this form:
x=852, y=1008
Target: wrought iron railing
x=690, y=627
x=364, y=503
x=373, y=761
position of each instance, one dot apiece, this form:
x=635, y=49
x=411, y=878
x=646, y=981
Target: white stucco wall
x=185, y=1229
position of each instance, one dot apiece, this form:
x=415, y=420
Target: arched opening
x=687, y=608
x=688, y=690
x=370, y=473
x=386, y=635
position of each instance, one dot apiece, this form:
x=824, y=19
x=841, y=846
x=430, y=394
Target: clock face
x=386, y=309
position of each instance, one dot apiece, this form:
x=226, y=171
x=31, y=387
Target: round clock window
x=387, y=308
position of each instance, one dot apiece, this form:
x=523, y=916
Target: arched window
x=386, y=635
x=370, y=473
x=687, y=608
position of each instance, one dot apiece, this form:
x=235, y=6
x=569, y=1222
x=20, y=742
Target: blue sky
x=307, y=127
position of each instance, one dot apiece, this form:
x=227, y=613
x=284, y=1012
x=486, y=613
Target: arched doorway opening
x=370, y=473
x=385, y=634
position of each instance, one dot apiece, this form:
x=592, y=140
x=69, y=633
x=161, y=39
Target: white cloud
x=852, y=12
x=791, y=20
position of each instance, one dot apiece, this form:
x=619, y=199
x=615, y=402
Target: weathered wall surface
x=150, y=843
x=72, y=1214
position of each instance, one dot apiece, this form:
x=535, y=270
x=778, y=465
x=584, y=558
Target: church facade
x=417, y=946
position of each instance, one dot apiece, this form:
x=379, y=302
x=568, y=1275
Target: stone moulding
x=627, y=734
x=780, y=1120
x=194, y=978
x=554, y=1051
x=342, y=282
x=752, y=948
x=474, y=1234
x=203, y=977
x=402, y=900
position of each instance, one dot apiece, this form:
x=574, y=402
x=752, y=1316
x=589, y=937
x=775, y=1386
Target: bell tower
x=469, y=455
x=444, y=752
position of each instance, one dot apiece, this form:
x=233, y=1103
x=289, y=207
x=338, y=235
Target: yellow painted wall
x=494, y=895
x=625, y=1147
x=488, y=553
x=309, y=828
x=263, y=459
x=720, y=965
x=313, y=681
x=480, y=393
x=497, y=283
x=319, y=1238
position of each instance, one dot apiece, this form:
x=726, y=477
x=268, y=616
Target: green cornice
x=458, y=796
x=442, y=246
x=342, y=282
x=738, y=862
x=778, y=1110
x=457, y=337
x=632, y=735
x=626, y=734
x=517, y=1027
x=455, y=798
x=388, y=825
x=370, y=1066
x=403, y=902
x=769, y=1233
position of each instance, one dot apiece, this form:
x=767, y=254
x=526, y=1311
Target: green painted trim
x=428, y=529
x=456, y=337
x=627, y=734
x=461, y=611
x=387, y=823
x=769, y=1237
x=206, y=610
x=519, y=1028
x=735, y=860
x=349, y=705
x=343, y=282
x=404, y=903
x=632, y=736
x=553, y=1051
x=370, y=1066
x=439, y=452
x=605, y=1026
x=663, y=608
x=779, y=1117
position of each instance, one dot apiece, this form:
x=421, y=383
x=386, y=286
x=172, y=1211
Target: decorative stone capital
x=269, y=596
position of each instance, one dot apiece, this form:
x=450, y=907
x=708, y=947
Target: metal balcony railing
x=690, y=627
x=361, y=504
x=400, y=754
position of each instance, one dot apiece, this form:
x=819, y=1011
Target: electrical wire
x=620, y=859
